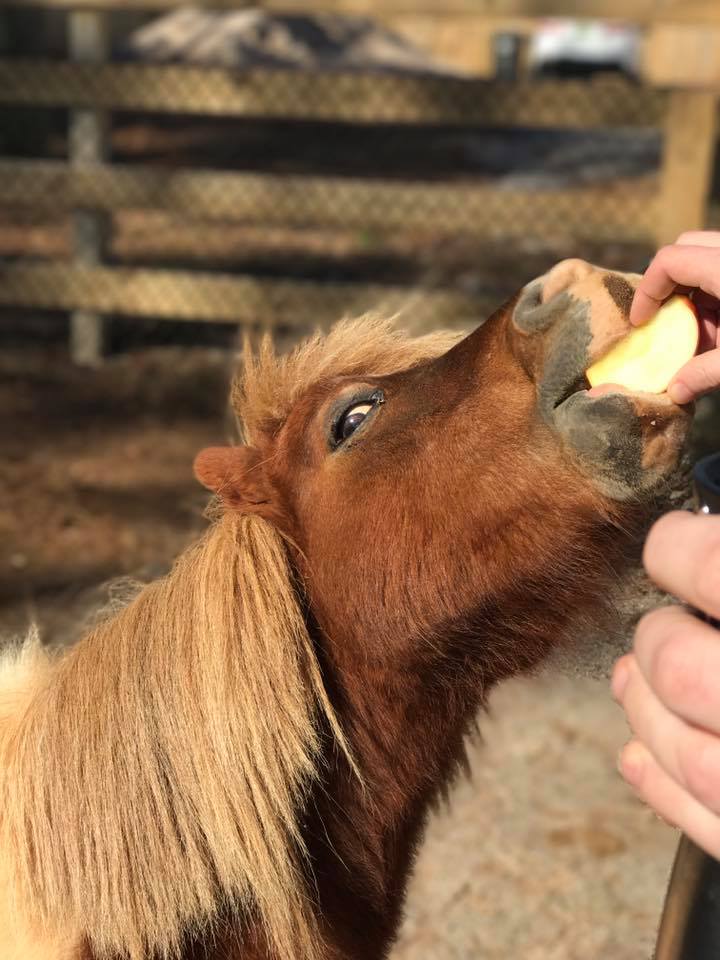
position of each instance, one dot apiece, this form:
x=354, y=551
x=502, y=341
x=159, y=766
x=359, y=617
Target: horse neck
x=407, y=739
x=407, y=736
x=406, y=723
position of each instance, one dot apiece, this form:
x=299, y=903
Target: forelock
x=269, y=384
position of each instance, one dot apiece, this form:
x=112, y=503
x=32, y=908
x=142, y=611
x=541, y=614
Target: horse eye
x=351, y=420
x=352, y=417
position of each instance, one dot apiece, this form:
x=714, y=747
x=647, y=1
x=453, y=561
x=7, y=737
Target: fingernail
x=679, y=393
x=619, y=679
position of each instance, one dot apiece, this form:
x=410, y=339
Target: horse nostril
x=542, y=302
x=564, y=275
x=621, y=292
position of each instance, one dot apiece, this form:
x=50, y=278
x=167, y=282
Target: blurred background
x=172, y=176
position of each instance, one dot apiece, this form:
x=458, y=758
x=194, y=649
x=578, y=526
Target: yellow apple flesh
x=646, y=360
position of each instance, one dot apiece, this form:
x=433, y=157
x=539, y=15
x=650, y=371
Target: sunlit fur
x=271, y=385
x=153, y=774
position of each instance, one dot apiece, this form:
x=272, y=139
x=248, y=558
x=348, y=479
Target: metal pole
x=88, y=146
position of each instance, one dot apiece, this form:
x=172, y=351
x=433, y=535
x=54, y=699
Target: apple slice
x=647, y=359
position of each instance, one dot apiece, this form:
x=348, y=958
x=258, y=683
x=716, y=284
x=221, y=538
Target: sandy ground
x=544, y=855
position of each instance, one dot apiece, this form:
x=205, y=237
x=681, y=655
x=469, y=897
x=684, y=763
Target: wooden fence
x=648, y=211
x=637, y=11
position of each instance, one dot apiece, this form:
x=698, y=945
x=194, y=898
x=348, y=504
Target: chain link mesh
x=289, y=196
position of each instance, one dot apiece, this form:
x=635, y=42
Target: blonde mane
x=155, y=772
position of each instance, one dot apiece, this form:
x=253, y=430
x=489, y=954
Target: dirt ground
x=95, y=472
x=544, y=855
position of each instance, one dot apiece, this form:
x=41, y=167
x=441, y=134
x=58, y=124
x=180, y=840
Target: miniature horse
x=239, y=764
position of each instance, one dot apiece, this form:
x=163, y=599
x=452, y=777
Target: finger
x=688, y=755
x=620, y=674
x=699, y=238
x=679, y=658
x=682, y=556
x=699, y=375
x=689, y=266
x=669, y=799
x=694, y=380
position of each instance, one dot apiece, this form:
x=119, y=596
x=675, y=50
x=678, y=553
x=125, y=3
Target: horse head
x=414, y=488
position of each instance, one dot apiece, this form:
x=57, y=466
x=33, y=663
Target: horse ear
x=236, y=475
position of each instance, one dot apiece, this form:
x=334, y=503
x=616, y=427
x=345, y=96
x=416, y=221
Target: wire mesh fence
x=148, y=173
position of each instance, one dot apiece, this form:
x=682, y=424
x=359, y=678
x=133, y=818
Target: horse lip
x=578, y=385
x=651, y=402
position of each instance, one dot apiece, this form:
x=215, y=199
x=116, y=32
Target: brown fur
x=239, y=764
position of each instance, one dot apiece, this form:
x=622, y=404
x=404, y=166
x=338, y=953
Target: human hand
x=669, y=687
x=690, y=265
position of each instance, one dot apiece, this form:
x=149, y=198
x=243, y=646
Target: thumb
x=699, y=375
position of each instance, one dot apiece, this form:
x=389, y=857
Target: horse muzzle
x=629, y=443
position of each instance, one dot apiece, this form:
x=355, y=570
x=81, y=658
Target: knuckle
x=665, y=254
x=660, y=540
x=701, y=770
x=648, y=631
x=633, y=765
x=707, y=584
x=674, y=676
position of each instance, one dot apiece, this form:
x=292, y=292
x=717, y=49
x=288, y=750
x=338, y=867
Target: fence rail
x=638, y=11
x=177, y=295
x=589, y=212
x=646, y=209
x=354, y=97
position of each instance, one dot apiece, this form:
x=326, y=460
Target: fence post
x=689, y=148
x=88, y=41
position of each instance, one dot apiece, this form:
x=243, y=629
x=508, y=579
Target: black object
x=707, y=484
x=690, y=924
x=507, y=48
